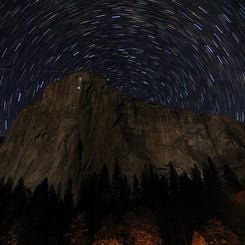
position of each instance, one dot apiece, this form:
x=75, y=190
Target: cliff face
x=82, y=122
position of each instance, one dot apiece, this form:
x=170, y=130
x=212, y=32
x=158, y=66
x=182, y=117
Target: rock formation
x=82, y=122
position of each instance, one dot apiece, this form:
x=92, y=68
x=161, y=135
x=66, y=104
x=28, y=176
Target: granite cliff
x=82, y=122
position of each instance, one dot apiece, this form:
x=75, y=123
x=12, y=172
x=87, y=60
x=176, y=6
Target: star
x=173, y=52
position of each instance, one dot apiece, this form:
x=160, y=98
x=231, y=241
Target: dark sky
x=181, y=53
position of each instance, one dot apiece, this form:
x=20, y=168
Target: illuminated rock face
x=82, y=122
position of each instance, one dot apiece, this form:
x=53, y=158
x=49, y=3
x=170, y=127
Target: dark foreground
x=204, y=207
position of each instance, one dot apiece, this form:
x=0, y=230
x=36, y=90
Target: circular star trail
x=178, y=53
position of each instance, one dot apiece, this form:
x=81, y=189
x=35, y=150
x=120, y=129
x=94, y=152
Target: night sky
x=181, y=53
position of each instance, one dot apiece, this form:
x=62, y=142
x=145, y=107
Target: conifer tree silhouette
x=68, y=208
x=173, y=181
x=231, y=180
x=214, y=192
x=117, y=186
x=198, y=199
x=136, y=191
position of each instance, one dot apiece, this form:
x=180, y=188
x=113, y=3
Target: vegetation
x=215, y=233
x=153, y=209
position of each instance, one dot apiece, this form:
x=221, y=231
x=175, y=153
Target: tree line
x=179, y=203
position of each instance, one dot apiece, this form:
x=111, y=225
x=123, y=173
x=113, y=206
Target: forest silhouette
x=109, y=206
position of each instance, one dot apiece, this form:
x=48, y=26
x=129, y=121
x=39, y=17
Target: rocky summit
x=82, y=122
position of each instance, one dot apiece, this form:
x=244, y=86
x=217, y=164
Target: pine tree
x=68, y=204
x=116, y=186
x=20, y=195
x=6, y=194
x=211, y=176
x=17, y=202
x=78, y=232
x=125, y=193
x=103, y=196
x=164, y=186
x=214, y=192
x=53, y=223
x=7, y=206
x=88, y=194
x=146, y=192
x=198, y=200
x=231, y=180
x=173, y=181
x=40, y=194
x=136, y=191
x=196, y=179
x=1, y=139
x=37, y=215
x=185, y=191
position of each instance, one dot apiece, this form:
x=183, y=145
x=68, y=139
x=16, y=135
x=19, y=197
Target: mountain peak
x=82, y=122
x=70, y=93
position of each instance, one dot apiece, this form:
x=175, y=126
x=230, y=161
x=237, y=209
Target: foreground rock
x=82, y=122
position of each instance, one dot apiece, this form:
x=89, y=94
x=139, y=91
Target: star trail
x=177, y=53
